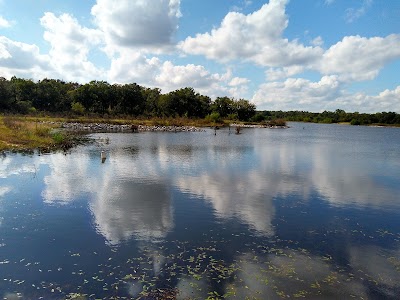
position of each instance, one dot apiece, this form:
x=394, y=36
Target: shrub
x=24, y=107
x=232, y=117
x=213, y=117
x=327, y=121
x=259, y=117
x=77, y=108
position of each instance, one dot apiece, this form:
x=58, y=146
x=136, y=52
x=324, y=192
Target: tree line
x=338, y=116
x=25, y=96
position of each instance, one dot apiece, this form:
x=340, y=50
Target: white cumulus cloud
x=21, y=59
x=329, y=93
x=359, y=58
x=172, y=77
x=281, y=73
x=237, y=81
x=387, y=100
x=298, y=93
x=70, y=46
x=176, y=76
x=133, y=66
x=256, y=37
x=138, y=23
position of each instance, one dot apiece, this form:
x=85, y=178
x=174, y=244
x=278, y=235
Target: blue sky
x=280, y=54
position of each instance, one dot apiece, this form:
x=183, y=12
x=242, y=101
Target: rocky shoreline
x=104, y=127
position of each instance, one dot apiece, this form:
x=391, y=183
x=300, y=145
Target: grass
x=19, y=134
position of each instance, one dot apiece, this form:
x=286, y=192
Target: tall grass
x=18, y=133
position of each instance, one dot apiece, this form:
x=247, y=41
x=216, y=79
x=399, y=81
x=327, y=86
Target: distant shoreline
x=29, y=133
x=349, y=124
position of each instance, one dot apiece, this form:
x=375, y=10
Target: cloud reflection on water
x=132, y=209
x=130, y=194
x=9, y=166
x=122, y=203
x=344, y=183
x=235, y=195
x=70, y=178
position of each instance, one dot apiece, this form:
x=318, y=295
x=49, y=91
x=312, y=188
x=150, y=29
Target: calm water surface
x=312, y=211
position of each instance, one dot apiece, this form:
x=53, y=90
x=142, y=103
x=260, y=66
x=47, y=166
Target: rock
x=104, y=127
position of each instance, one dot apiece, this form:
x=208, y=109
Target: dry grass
x=19, y=134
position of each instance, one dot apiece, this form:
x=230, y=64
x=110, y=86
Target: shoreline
x=107, y=127
x=21, y=134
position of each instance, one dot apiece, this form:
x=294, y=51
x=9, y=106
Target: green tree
x=151, y=98
x=94, y=96
x=23, y=94
x=100, y=92
x=165, y=105
x=184, y=102
x=51, y=95
x=77, y=108
x=224, y=106
x=5, y=94
x=244, y=109
x=202, y=106
x=131, y=99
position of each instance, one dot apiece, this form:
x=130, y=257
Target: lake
x=311, y=212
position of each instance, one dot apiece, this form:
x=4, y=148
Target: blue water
x=311, y=212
